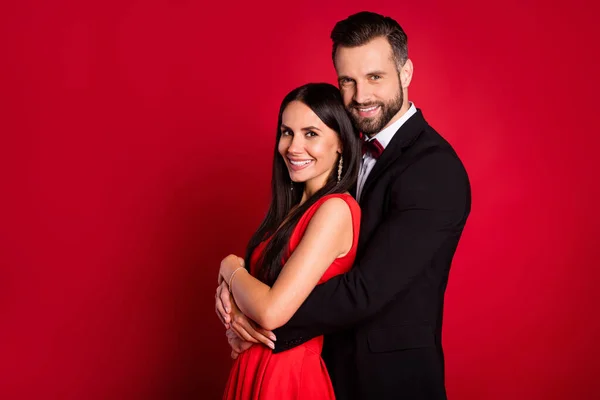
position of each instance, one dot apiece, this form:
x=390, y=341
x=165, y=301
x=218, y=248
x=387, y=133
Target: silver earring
x=291, y=185
x=340, y=164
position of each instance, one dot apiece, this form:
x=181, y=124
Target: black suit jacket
x=382, y=321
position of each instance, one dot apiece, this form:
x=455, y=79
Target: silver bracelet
x=231, y=277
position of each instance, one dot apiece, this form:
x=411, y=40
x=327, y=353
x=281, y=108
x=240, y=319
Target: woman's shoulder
x=339, y=200
x=343, y=198
x=338, y=211
x=336, y=205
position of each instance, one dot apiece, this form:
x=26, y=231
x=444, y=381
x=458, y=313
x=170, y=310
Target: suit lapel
x=404, y=137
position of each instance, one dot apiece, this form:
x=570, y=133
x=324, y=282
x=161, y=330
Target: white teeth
x=300, y=163
x=368, y=109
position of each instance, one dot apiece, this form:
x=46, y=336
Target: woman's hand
x=228, y=266
x=234, y=320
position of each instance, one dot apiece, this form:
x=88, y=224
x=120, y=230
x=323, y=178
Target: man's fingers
x=238, y=345
x=243, y=346
x=230, y=334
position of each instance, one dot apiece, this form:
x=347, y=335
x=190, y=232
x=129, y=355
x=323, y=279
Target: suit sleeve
x=429, y=204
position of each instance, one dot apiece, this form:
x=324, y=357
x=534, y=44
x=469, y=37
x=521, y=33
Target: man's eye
x=375, y=77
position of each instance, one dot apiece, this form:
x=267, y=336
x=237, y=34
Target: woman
x=310, y=234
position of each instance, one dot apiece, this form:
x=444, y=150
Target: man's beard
x=373, y=125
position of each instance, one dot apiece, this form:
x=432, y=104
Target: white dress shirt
x=384, y=137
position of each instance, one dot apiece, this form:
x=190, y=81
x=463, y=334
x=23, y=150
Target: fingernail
x=272, y=337
x=272, y=346
x=227, y=309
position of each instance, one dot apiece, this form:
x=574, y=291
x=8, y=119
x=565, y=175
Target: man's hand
x=234, y=319
x=238, y=345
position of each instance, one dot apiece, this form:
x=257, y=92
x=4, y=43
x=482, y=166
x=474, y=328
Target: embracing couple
x=341, y=291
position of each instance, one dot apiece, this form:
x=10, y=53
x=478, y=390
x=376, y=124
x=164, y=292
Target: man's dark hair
x=361, y=28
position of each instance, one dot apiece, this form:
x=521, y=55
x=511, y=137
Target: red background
x=136, y=142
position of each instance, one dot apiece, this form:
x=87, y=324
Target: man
x=383, y=319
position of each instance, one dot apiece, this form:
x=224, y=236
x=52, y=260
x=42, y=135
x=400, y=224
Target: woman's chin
x=297, y=178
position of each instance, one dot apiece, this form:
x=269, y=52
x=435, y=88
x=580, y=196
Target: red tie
x=372, y=147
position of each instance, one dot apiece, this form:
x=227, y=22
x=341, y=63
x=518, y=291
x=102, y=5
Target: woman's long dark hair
x=326, y=102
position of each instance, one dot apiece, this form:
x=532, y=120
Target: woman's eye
x=310, y=134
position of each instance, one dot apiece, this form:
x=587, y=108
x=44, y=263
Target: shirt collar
x=385, y=136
